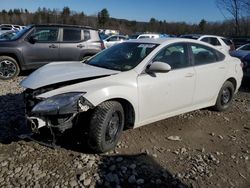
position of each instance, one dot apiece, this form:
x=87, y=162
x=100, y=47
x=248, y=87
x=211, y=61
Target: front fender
x=115, y=92
x=119, y=86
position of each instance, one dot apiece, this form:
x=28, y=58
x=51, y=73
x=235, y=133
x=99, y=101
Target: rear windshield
x=227, y=41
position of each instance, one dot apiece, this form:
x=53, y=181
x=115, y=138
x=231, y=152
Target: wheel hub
x=112, y=127
x=7, y=69
x=226, y=95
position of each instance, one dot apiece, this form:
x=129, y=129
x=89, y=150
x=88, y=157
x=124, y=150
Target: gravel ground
x=198, y=149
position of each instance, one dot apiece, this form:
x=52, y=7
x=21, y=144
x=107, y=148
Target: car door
x=210, y=72
x=41, y=46
x=72, y=44
x=166, y=93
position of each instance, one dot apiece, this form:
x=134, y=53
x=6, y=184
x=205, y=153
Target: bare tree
x=234, y=8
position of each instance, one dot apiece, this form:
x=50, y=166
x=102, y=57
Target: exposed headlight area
x=57, y=111
x=65, y=103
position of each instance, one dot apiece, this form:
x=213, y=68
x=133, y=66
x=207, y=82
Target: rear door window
x=71, y=35
x=204, y=55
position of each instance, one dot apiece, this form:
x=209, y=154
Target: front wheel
x=106, y=126
x=8, y=68
x=225, y=97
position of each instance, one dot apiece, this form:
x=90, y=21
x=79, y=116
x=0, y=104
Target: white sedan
x=130, y=85
x=114, y=39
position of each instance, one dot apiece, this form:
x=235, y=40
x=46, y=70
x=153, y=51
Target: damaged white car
x=129, y=85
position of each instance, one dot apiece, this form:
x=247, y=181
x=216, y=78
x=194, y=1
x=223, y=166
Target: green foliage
x=103, y=17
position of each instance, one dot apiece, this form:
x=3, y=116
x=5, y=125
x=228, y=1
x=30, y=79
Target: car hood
x=62, y=72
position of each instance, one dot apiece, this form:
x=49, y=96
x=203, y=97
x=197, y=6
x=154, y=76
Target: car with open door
x=131, y=84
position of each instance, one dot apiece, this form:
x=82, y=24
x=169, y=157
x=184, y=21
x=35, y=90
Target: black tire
x=225, y=97
x=105, y=129
x=9, y=68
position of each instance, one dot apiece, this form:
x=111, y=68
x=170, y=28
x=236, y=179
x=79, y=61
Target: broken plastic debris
x=174, y=138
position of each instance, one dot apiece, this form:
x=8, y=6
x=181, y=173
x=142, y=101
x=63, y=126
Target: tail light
x=242, y=65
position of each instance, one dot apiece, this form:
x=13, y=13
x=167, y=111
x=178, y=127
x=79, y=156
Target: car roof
x=166, y=41
x=149, y=34
x=211, y=36
x=63, y=25
x=200, y=35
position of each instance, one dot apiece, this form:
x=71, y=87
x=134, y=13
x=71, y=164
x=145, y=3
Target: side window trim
x=34, y=30
x=216, y=52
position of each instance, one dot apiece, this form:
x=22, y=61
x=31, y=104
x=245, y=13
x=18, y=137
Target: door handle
x=189, y=75
x=53, y=46
x=80, y=46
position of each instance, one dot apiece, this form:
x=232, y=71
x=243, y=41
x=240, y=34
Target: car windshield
x=122, y=57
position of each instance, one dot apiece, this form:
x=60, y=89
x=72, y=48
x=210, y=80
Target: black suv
x=37, y=45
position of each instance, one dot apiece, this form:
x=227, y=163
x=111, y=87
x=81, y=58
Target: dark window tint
x=6, y=28
x=144, y=37
x=45, y=34
x=211, y=40
x=113, y=38
x=205, y=55
x=86, y=34
x=246, y=47
x=215, y=41
x=227, y=41
x=175, y=55
x=122, y=38
x=206, y=39
x=71, y=35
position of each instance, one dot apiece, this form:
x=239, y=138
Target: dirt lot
x=198, y=149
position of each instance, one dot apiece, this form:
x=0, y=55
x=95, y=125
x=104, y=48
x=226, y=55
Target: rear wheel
x=106, y=126
x=225, y=97
x=9, y=68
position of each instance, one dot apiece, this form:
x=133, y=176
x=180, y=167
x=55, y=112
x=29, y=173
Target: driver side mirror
x=159, y=66
x=32, y=39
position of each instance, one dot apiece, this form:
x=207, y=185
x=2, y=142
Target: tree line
x=235, y=26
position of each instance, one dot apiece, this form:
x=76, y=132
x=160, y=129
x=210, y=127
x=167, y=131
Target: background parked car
x=246, y=69
x=143, y=36
x=245, y=47
x=221, y=43
x=4, y=29
x=37, y=45
x=8, y=35
x=114, y=39
x=243, y=53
